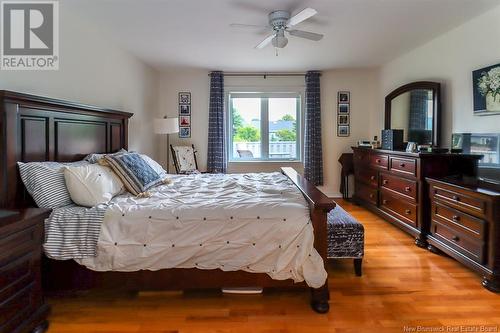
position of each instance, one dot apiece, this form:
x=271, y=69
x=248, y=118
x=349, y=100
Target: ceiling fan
x=282, y=23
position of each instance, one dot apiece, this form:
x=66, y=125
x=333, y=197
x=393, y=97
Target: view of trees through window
x=264, y=127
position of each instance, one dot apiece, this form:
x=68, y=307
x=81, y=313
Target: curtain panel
x=216, y=162
x=313, y=153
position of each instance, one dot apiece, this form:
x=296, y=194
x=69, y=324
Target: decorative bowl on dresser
x=392, y=184
x=466, y=225
x=22, y=306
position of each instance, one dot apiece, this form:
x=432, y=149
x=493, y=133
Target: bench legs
x=358, y=262
x=319, y=299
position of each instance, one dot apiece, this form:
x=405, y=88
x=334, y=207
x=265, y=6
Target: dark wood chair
x=184, y=159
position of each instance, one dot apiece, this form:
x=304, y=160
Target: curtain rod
x=261, y=74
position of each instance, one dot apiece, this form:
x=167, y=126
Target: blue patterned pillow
x=135, y=173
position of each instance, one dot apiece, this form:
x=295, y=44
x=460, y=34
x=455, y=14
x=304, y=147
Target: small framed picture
x=343, y=119
x=184, y=132
x=344, y=97
x=185, y=98
x=185, y=121
x=184, y=110
x=343, y=130
x=344, y=108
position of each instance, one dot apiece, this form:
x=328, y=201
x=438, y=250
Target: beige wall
x=364, y=91
x=450, y=59
x=94, y=71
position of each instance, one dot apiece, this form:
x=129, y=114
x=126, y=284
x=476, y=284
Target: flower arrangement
x=489, y=83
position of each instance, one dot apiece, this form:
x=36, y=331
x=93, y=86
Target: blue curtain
x=216, y=152
x=313, y=153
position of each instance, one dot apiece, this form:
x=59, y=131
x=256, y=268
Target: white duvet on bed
x=252, y=222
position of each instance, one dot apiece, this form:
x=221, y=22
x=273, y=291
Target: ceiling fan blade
x=305, y=34
x=266, y=41
x=301, y=16
x=238, y=25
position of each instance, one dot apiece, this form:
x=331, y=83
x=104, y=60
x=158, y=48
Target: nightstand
x=22, y=306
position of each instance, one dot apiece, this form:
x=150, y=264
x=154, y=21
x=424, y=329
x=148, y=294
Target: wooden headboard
x=34, y=128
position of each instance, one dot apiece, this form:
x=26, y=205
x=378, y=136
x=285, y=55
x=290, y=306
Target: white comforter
x=252, y=222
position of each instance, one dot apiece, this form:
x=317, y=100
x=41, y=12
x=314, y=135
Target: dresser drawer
x=366, y=193
x=461, y=222
x=404, y=186
x=361, y=157
x=379, y=161
x=15, y=276
x=367, y=176
x=17, y=244
x=399, y=207
x=16, y=309
x=405, y=166
x=471, y=248
x=460, y=201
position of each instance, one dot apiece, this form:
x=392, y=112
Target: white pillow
x=93, y=184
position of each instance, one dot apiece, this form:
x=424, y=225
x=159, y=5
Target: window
x=264, y=126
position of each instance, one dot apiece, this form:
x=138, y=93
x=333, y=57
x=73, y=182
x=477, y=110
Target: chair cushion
x=345, y=235
x=185, y=159
x=135, y=173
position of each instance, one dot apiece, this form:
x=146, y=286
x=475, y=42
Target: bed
x=43, y=129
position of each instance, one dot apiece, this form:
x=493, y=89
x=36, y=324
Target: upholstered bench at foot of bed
x=345, y=237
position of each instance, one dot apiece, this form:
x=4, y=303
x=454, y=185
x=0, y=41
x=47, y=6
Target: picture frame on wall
x=343, y=119
x=343, y=130
x=486, y=91
x=185, y=98
x=184, y=132
x=184, y=110
x=344, y=97
x=185, y=121
x=344, y=108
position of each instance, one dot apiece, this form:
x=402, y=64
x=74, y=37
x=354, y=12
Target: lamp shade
x=166, y=125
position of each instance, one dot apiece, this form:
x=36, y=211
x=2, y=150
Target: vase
x=492, y=102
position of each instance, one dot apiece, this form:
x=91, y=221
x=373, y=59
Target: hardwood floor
x=391, y=296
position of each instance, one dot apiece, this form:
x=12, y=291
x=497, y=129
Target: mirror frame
x=436, y=114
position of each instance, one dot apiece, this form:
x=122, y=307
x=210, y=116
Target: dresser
x=392, y=184
x=466, y=225
x=22, y=307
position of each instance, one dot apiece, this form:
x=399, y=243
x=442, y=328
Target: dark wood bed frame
x=36, y=128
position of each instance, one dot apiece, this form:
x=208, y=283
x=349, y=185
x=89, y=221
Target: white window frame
x=264, y=122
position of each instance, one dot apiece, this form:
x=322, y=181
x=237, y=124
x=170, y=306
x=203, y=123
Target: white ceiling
x=196, y=33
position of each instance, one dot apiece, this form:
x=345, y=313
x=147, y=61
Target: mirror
x=414, y=108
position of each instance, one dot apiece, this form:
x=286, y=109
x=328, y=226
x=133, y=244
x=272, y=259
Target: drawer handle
x=407, y=188
x=408, y=212
x=385, y=181
x=402, y=165
x=455, y=238
x=372, y=177
x=378, y=160
x=371, y=196
x=385, y=202
x=455, y=218
x=456, y=198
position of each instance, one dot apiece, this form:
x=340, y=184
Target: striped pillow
x=136, y=174
x=45, y=182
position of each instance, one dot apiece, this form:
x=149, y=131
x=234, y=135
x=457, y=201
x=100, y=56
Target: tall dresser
x=392, y=184
x=466, y=225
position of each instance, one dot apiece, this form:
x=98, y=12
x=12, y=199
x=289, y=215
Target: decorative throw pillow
x=185, y=159
x=95, y=157
x=45, y=182
x=136, y=174
x=92, y=184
